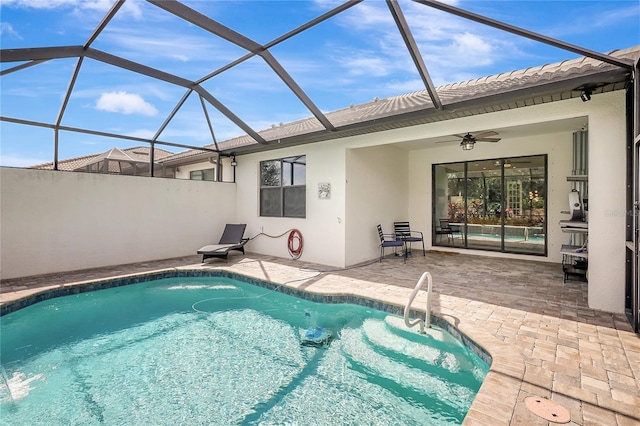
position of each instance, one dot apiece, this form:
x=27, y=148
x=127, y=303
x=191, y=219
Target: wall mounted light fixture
x=233, y=161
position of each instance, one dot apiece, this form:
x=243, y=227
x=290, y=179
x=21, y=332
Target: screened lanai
x=432, y=105
x=200, y=91
x=268, y=102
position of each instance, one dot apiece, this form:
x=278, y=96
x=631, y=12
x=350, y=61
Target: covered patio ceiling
x=608, y=72
x=506, y=132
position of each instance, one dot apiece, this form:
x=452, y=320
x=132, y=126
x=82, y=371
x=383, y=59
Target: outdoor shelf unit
x=575, y=257
x=571, y=267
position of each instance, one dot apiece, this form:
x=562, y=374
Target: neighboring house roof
x=138, y=154
x=516, y=89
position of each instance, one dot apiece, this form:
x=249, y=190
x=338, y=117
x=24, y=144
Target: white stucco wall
x=367, y=188
x=377, y=179
x=59, y=221
x=62, y=221
x=607, y=169
x=364, y=170
x=607, y=203
x=323, y=229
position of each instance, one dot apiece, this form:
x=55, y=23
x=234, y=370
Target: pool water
x=509, y=238
x=217, y=351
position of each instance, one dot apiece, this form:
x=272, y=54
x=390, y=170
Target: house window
x=206, y=174
x=498, y=204
x=283, y=187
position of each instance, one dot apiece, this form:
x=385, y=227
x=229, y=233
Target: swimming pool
x=533, y=239
x=214, y=350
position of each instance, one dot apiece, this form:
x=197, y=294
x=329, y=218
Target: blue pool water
x=216, y=351
x=509, y=238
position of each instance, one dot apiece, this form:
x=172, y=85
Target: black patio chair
x=403, y=231
x=445, y=229
x=232, y=239
x=389, y=240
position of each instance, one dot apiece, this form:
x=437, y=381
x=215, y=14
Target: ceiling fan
x=468, y=141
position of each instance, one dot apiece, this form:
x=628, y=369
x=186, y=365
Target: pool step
x=434, y=385
x=432, y=335
x=435, y=353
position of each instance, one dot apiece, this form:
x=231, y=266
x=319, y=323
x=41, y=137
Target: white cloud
x=473, y=48
x=404, y=86
x=444, y=42
x=125, y=103
x=142, y=133
x=131, y=7
x=56, y=4
x=181, y=58
x=370, y=48
x=167, y=43
x=6, y=29
x=369, y=66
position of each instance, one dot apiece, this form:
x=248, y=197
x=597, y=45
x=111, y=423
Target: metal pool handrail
x=407, y=308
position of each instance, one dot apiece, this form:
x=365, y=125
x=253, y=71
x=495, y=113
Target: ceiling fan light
x=467, y=144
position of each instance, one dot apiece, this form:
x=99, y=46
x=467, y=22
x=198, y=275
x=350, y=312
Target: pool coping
x=499, y=390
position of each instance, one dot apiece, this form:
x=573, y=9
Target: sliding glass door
x=484, y=205
x=449, y=195
x=497, y=204
x=525, y=213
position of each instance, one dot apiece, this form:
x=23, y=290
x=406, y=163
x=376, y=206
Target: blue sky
x=350, y=59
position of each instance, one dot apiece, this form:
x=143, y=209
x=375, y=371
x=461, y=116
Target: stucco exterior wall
x=607, y=203
x=606, y=122
x=377, y=179
x=323, y=229
x=60, y=221
x=364, y=170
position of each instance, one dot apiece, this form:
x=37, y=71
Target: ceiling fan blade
x=482, y=135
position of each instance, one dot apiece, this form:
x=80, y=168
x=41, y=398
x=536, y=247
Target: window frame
x=281, y=185
x=502, y=224
x=202, y=174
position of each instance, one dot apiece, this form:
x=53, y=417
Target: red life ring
x=295, y=248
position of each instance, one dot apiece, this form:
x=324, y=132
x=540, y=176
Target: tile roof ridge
x=91, y=156
x=67, y=160
x=541, y=69
x=378, y=105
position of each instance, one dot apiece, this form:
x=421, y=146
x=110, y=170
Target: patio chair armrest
x=392, y=237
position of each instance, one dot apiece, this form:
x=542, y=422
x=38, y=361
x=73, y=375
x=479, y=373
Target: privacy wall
x=61, y=221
